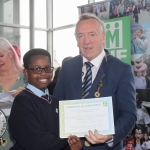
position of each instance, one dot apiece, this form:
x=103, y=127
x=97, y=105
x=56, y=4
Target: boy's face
x=41, y=80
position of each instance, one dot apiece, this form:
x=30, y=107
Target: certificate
x=78, y=116
x=6, y=100
x=7, y=97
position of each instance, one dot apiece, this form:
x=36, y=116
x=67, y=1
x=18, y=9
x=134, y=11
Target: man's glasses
x=39, y=70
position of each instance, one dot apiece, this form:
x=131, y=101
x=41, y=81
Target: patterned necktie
x=87, y=82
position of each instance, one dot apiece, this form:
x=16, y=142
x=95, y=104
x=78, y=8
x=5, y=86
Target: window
x=66, y=12
x=24, y=12
x=64, y=45
x=40, y=13
x=40, y=39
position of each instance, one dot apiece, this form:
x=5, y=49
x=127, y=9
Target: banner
x=118, y=38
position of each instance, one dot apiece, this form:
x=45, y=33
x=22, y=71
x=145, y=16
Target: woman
x=139, y=43
x=146, y=143
x=11, y=78
x=103, y=13
x=94, y=10
x=102, y=8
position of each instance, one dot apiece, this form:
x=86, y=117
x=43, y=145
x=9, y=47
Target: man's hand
x=20, y=89
x=96, y=138
x=74, y=142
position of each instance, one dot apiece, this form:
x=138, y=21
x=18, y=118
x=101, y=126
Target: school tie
x=87, y=82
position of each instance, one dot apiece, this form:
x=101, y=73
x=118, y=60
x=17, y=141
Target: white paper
x=6, y=97
x=6, y=101
x=79, y=116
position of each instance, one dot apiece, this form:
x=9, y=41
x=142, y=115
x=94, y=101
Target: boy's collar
x=36, y=91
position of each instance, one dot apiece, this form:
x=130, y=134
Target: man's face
x=90, y=38
x=42, y=80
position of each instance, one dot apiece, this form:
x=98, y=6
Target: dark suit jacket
x=118, y=82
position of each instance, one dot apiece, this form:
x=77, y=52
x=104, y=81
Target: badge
x=3, y=142
x=97, y=94
x=87, y=143
x=56, y=110
x=100, y=84
x=3, y=123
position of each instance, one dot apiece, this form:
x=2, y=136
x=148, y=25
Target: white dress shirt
x=96, y=62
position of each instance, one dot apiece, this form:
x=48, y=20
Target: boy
x=34, y=118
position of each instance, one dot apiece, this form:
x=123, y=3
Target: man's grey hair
x=87, y=16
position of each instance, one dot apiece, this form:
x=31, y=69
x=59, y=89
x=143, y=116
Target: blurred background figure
x=11, y=78
x=139, y=43
x=143, y=117
x=121, y=8
x=52, y=84
x=66, y=58
x=102, y=7
x=136, y=12
x=94, y=10
x=86, y=10
x=146, y=143
x=103, y=13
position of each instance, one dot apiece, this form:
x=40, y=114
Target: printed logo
x=114, y=34
x=104, y=103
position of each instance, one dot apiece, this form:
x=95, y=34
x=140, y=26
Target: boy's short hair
x=33, y=52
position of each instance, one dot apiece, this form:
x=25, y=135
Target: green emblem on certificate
x=104, y=103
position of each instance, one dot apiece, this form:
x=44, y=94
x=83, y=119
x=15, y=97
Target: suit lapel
x=78, y=76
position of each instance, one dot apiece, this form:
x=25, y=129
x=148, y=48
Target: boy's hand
x=74, y=142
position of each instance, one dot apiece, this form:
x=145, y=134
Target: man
x=110, y=77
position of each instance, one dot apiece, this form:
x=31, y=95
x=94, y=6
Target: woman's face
x=5, y=60
x=138, y=33
x=122, y=1
x=145, y=136
x=94, y=9
x=102, y=8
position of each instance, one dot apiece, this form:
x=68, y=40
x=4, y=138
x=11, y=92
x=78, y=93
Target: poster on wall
x=131, y=44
